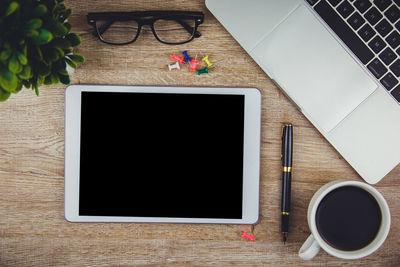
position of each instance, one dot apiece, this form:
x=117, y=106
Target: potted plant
x=36, y=45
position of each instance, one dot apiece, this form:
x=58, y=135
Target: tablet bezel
x=251, y=153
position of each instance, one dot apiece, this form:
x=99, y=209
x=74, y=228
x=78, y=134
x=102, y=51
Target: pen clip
x=282, y=143
x=283, y=140
x=286, y=141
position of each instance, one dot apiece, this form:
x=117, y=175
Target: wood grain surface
x=33, y=231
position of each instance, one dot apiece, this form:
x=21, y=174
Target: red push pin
x=193, y=64
x=176, y=58
x=248, y=236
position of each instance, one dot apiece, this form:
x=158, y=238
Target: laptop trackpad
x=313, y=69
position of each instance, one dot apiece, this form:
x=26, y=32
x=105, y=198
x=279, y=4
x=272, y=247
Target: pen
x=287, y=152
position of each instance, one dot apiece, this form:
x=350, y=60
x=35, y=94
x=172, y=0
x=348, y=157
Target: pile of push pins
x=192, y=63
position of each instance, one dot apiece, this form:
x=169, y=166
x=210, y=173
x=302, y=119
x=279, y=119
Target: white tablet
x=162, y=154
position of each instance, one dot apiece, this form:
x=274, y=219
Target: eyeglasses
x=169, y=27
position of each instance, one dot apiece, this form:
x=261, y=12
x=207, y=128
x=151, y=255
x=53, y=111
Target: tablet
x=162, y=154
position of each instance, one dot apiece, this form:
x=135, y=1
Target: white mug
x=315, y=242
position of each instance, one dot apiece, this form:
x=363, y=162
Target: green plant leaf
x=42, y=69
x=58, y=10
x=64, y=79
x=77, y=58
x=38, y=53
x=26, y=72
x=5, y=54
x=71, y=63
x=63, y=72
x=25, y=50
x=19, y=87
x=8, y=80
x=60, y=30
x=36, y=90
x=65, y=14
x=22, y=58
x=74, y=39
x=26, y=83
x=12, y=7
x=40, y=80
x=68, y=25
x=34, y=24
x=13, y=64
x=31, y=33
x=44, y=37
x=61, y=43
x=54, y=78
x=68, y=51
x=47, y=80
x=20, y=68
x=53, y=54
x=59, y=51
x=59, y=65
x=4, y=95
x=40, y=10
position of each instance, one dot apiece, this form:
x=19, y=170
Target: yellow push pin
x=205, y=59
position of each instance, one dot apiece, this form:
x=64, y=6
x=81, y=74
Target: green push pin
x=205, y=70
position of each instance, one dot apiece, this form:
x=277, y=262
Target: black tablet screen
x=161, y=155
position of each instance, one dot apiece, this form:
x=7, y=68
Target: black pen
x=287, y=152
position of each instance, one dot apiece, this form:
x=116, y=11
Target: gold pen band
x=285, y=213
x=286, y=169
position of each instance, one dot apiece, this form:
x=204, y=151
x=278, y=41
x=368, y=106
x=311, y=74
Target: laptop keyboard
x=370, y=29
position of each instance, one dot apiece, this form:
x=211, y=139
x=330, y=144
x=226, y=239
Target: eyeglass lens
x=166, y=30
x=174, y=31
x=117, y=32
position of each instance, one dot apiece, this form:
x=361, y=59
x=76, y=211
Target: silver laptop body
x=322, y=76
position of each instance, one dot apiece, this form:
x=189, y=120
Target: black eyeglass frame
x=147, y=18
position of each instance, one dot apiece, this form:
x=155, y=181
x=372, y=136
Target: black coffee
x=348, y=218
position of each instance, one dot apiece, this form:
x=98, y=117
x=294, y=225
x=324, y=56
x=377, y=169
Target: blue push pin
x=187, y=58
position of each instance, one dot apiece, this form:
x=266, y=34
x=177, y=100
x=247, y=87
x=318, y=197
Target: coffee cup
x=348, y=219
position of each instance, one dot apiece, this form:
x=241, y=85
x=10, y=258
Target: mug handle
x=309, y=249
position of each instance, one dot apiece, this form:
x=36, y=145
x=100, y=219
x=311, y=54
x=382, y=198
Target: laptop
x=338, y=61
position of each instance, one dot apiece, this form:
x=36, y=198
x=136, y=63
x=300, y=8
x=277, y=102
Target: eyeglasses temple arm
x=188, y=28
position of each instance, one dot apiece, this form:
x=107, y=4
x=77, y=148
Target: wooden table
x=33, y=231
